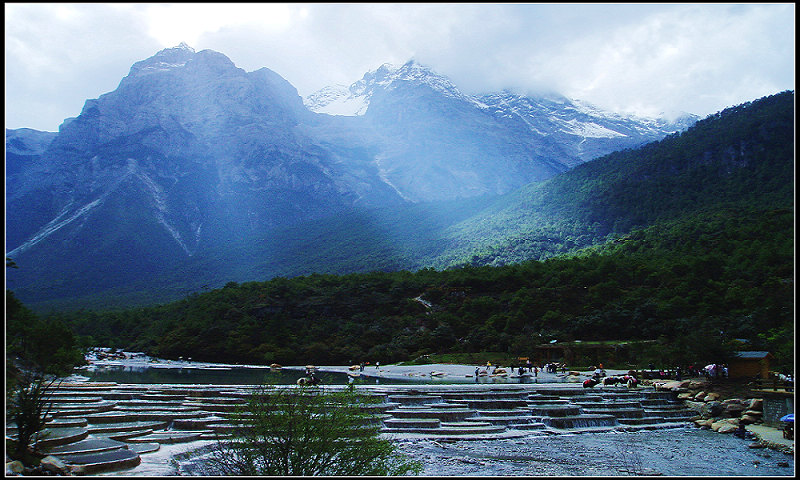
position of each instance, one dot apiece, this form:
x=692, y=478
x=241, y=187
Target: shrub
x=307, y=431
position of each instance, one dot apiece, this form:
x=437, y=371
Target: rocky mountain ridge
x=191, y=154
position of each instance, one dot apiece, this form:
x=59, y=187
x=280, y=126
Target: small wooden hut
x=753, y=364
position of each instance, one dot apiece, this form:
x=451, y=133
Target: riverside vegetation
x=697, y=250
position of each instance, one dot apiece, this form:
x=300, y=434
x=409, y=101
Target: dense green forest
x=688, y=241
x=693, y=283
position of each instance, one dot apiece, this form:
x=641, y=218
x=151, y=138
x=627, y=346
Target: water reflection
x=205, y=376
x=256, y=376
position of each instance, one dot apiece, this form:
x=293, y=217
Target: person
x=477, y=371
x=377, y=364
x=740, y=431
x=350, y=383
x=536, y=371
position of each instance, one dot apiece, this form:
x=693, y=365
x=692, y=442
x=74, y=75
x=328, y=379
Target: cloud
x=644, y=58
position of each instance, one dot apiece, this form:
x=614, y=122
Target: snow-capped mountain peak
x=354, y=100
x=338, y=100
x=166, y=59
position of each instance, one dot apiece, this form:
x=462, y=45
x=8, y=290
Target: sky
x=644, y=59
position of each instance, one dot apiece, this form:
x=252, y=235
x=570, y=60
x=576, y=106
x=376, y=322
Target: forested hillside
x=695, y=283
x=740, y=157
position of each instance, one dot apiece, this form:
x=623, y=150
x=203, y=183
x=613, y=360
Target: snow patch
x=56, y=224
x=591, y=130
x=161, y=205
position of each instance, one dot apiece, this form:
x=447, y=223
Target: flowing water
x=205, y=375
x=670, y=452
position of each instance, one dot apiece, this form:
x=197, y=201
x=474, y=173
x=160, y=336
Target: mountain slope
x=193, y=172
x=714, y=255
x=742, y=156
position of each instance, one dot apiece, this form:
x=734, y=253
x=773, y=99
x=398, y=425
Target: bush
x=307, y=431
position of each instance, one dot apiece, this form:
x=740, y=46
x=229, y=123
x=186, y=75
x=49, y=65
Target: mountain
x=688, y=244
x=194, y=172
x=740, y=158
x=571, y=131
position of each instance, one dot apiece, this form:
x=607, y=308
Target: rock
x=711, y=397
x=675, y=385
x=14, y=468
x=711, y=409
x=756, y=404
x=79, y=470
x=753, y=413
x=54, y=465
x=747, y=419
x=692, y=405
x=734, y=410
x=726, y=429
x=700, y=396
x=685, y=396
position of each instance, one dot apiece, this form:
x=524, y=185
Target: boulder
x=756, y=404
x=14, y=468
x=675, y=385
x=700, y=396
x=685, y=396
x=711, y=397
x=54, y=465
x=753, y=413
x=724, y=422
x=748, y=419
x=726, y=429
x=734, y=410
x=694, y=406
x=711, y=409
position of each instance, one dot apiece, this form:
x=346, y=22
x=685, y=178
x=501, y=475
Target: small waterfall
x=581, y=421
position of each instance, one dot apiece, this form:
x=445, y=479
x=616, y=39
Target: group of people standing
x=527, y=368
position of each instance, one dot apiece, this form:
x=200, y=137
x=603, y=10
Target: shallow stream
x=671, y=452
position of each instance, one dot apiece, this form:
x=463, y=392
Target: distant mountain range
x=194, y=172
